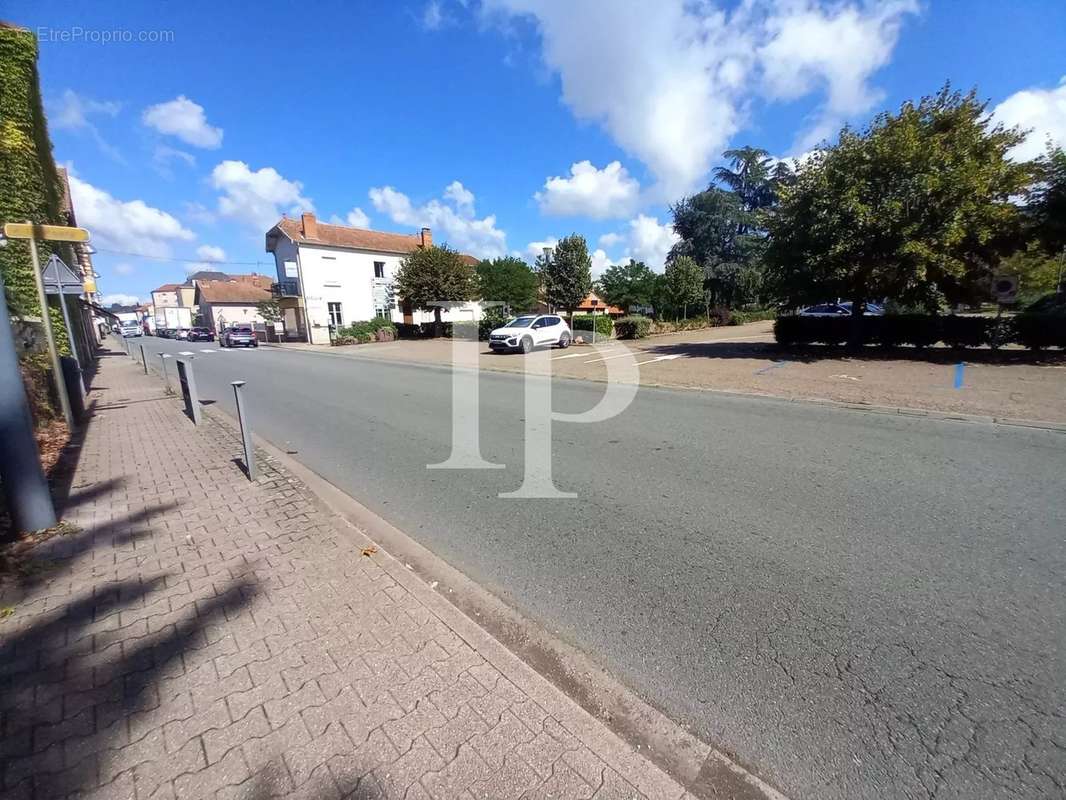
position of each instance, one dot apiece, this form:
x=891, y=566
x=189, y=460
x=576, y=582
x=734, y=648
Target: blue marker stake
x=958, y=374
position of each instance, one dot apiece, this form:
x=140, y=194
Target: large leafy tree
x=432, y=274
x=916, y=208
x=723, y=227
x=567, y=274
x=626, y=285
x=508, y=280
x=683, y=283
x=1048, y=205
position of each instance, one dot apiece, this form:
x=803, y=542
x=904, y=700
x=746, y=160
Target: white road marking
x=185, y=353
x=660, y=358
x=607, y=358
x=569, y=355
x=207, y=350
x=749, y=337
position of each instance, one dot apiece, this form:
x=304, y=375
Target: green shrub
x=604, y=324
x=744, y=317
x=633, y=327
x=493, y=318
x=966, y=331
x=1039, y=331
x=363, y=332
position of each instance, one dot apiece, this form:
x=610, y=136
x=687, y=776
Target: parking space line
x=185, y=353
x=608, y=358
x=569, y=355
x=207, y=350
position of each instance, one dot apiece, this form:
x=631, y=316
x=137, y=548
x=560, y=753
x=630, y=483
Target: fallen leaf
x=6, y=612
x=369, y=551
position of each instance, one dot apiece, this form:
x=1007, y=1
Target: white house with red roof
x=335, y=275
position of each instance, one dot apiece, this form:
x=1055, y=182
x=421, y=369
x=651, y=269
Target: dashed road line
x=607, y=358
x=185, y=353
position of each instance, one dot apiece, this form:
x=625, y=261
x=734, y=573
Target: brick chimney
x=309, y=225
x=427, y=238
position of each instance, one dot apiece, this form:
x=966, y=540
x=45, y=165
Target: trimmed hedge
x=634, y=327
x=1034, y=331
x=744, y=317
x=604, y=324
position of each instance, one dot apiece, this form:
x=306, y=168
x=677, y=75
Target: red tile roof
x=355, y=238
x=233, y=291
x=168, y=287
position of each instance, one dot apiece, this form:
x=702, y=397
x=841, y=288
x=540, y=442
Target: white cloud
x=256, y=198
x=130, y=226
x=109, y=300
x=453, y=219
x=536, y=249
x=836, y=48
x=433, y=17
x=185, y=119
x=164, y=156
x=209, y=252
x=671, y=81
x=590, y=192
x=72, y=112
x=124, y=268
x=358, y=218
x=644, y=239
x=600, y=262
x=1043, y=111
x=199, y=213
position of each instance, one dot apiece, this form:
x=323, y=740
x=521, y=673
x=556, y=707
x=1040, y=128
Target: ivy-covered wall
x=29, y=185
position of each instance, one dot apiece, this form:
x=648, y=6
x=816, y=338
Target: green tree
x=1037, y=270
x=683, y=281
x=1048, y=206
x=915, y=208
x=567, y=274
x=269, y=310
x=432, y=274
x=626, y=285
x=749, y=176
x=508, y=280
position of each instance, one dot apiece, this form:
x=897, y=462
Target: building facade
x=330, y=276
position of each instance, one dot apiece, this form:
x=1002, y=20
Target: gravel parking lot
x=1010, y=384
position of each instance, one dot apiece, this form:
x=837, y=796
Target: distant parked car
x=201, y=335
x=239, y=336
x=131, y=328
x=529, y=331
x=182, y=333
x=840, y=310
x=165, y=333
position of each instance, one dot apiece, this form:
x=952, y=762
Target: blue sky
x=502, y=124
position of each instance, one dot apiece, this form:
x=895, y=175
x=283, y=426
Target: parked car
x=239, y=336
x=181, y=333
x=529, y=331
x=201, y=335
x=130, y=328
x=839, y=310
x=164, y=333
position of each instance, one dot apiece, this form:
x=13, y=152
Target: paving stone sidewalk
x=203, y=636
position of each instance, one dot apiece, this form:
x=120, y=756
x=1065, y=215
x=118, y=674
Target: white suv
x=531, y=330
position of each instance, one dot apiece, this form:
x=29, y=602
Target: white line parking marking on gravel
x=607, y=358
x=570, y=355
x=660, y=358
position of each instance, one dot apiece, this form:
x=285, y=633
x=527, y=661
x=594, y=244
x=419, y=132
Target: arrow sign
x=58, y=277
x=48, y=233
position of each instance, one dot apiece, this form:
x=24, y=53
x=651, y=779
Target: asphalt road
x=855, y=605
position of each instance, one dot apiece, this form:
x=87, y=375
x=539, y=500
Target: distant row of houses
x=327, y=276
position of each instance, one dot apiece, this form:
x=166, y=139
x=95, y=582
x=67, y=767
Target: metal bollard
x=166, y=377
x=246, y=432
x=144, y=360
x=187, y=379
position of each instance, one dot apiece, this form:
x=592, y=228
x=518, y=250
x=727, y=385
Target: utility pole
x=28, y=498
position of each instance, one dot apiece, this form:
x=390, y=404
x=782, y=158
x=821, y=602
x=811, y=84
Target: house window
x=335, y=317
x=379, y=269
